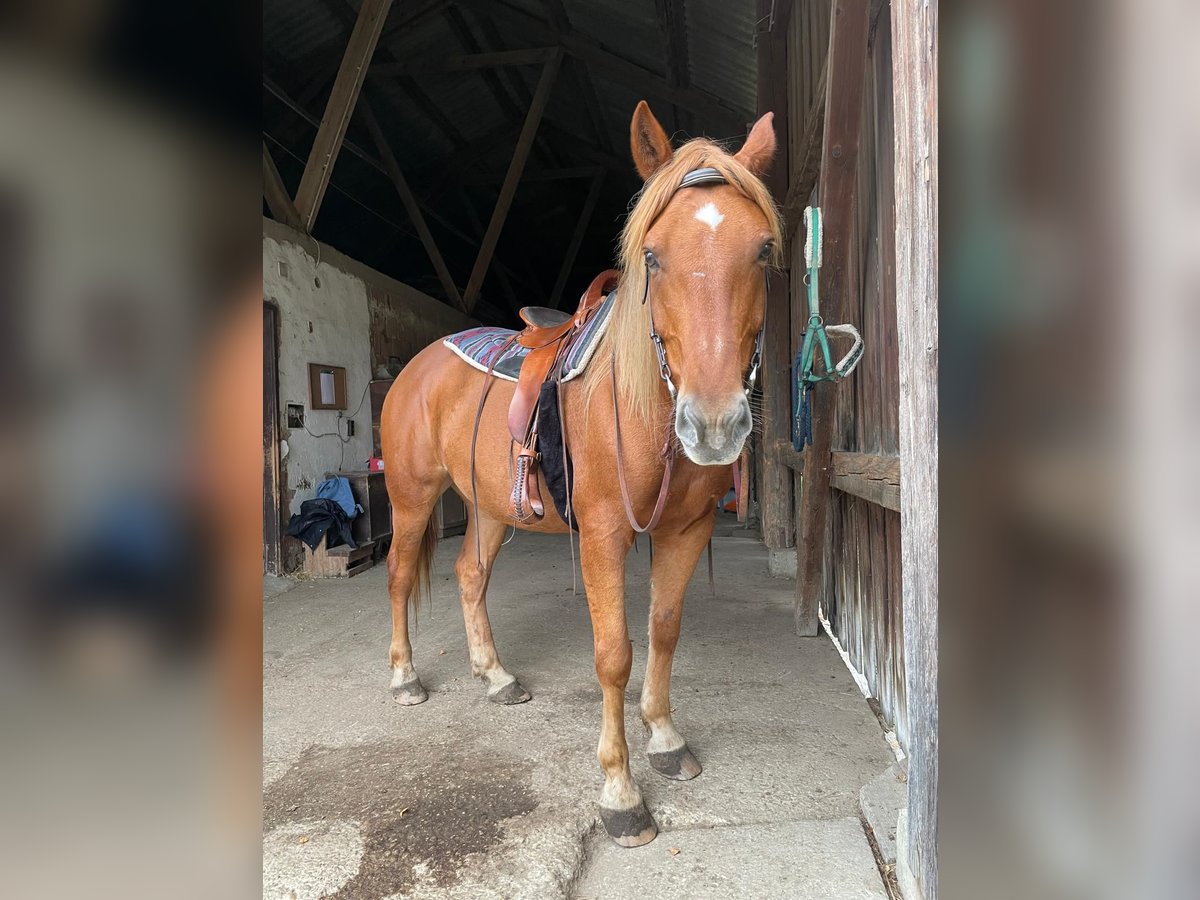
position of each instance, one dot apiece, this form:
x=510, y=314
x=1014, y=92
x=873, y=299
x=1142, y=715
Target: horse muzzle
x=713, y=434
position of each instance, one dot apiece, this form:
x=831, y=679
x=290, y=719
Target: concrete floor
x=462, y=798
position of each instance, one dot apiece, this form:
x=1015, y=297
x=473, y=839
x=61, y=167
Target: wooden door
x=272, y=521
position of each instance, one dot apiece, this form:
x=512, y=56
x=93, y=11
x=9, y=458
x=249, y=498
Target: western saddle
x=549, y=334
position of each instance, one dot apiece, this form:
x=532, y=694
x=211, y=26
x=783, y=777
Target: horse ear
x=650, y=145
x=756, y=153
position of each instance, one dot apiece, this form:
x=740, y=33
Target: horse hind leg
x=414, y=540
x=473, y=576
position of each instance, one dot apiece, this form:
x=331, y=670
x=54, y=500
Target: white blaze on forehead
x=710, y=215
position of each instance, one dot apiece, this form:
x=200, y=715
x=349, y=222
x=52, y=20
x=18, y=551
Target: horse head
x=702, y=247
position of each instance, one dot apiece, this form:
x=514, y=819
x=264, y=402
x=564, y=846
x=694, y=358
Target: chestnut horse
x=699, y=254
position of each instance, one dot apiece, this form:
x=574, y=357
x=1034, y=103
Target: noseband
x=691, y=179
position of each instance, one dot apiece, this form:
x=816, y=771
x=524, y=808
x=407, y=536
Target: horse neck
x=644, y=434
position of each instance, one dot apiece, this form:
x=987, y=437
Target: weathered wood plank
x=342, y=99
x=871, y=477
x=524, y=143
x=839, y=161
x=581, y=226
x=776, y=507
x=411, y=204
x=806, y=163
x=914, y=78
x=279, y=201
x=868, y=483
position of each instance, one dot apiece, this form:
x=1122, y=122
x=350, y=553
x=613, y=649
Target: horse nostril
x=741, y=421
x=688, y=425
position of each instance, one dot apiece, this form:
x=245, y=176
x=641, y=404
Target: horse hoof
x=512, y=693
x=410, y=693
x=629, y=827
x=680, y=764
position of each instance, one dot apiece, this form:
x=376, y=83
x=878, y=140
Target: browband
x=702, y=176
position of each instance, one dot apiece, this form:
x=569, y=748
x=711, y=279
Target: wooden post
x=410, y=204
x=278, y=199
x=847, y=72
x=343, y=97
x=581, y=226
x=775, y=488
x=914, y=86
x=508, y=190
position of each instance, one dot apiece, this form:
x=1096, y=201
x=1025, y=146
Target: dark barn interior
x=453, y=85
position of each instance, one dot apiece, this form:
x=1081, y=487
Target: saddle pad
x=483, y=347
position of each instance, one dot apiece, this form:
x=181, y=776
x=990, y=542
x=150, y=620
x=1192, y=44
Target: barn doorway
x=438, y=165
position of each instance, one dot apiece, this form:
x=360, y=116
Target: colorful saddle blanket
x=484, y=348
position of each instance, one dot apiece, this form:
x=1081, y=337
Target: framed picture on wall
x=326, y=386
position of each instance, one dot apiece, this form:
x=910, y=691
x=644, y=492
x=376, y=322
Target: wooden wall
x=856, y=81
x=860, y=560
x=862, y=597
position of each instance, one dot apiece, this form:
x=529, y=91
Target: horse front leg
x=675, y=558
x=622, y=809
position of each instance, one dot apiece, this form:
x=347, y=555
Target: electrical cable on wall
x=338, y=433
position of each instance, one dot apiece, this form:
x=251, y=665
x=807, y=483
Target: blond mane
x=626, y=339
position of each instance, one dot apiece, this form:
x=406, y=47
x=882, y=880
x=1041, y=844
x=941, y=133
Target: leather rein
x=667, y=453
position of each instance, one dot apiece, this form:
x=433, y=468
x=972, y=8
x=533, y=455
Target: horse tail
x=421, y=585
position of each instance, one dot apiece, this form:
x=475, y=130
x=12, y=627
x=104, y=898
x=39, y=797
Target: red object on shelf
x=375, y=464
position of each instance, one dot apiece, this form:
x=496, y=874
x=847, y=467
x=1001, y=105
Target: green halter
x=816, y=336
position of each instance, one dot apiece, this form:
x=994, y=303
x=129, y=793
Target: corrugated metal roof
x=721, y=54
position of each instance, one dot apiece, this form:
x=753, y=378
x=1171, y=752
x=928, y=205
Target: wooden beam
x=591, y=101
x=468, y=42
x=915, y=92
x=806, y=163
x=535, y=175
x=342, y=99
x=411, y=205
x=672, y=22
x=585, y=149
x=581, y=227
x=775, y=488
x=426, y=207
x=873, y=478
x=466, y=62
x=715, y=112
x=502, y=271
x=839, y=172
x=347, y=14
x=432, y=112
x=414, y=17
x=279, y=201
x=560, y=23
x=524, y=144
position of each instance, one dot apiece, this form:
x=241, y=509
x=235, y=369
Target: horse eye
x=764, y=255
x=651, y=261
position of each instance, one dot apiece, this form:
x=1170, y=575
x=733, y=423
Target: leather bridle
x=691, y=179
